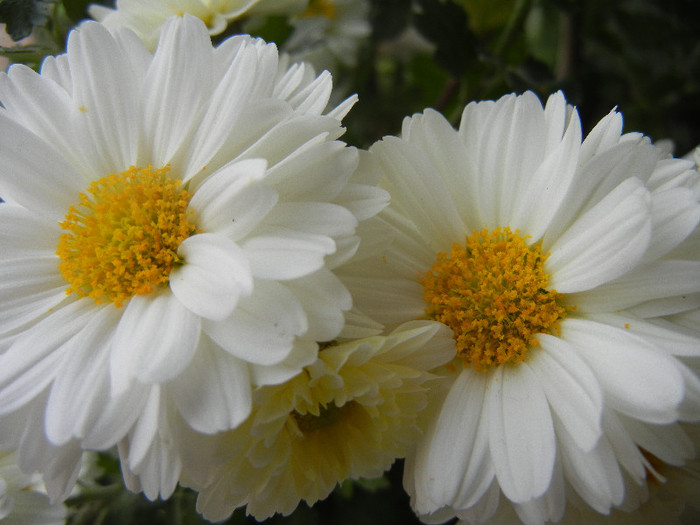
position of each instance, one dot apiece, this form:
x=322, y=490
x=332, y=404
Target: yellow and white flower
x=146, y=17
x=329, y=32
x=171, y=223
x=349, y=414
x=566, y=271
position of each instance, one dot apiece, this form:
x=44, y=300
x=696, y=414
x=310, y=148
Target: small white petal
x=452, y=464
x=655, y=280
x=605, y=242
x=155, y=340
x=214, y=393
x=669, y=443
x=637, y=379
x=571, y=388
x=286, y=255
x=31, y=363
x=521, y=433
x=81, y=388
x=214, y=276
x=176, y=86
x=233, y=200
x=595, y=475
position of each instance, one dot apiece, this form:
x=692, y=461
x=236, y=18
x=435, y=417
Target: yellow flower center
x=122, y=238
x=493, y=293
x=325, y=8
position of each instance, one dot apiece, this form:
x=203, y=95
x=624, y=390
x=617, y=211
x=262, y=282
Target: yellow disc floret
x=493, y=293
x=122, y=239
x=320, y=8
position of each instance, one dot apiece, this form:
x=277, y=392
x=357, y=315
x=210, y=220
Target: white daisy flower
x=329, y=32
x=557, y=264
x=147, y=17
x=350, y=414
x=23, y=499
x=170, y=219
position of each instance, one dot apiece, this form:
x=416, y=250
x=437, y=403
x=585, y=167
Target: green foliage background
x=641, y=56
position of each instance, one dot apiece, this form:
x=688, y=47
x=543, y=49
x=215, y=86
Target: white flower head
x=147, y=17
x=171, y=219
x=350, y=414
x=329, y=32
x=563, y=268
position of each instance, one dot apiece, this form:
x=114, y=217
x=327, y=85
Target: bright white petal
x=233, y=201
x=155, y=340
x=81, y=389
x=452, y=465
x=286, y=255
x=34, y=174
x=31, y=363
x=571, y=388
x=175, y=88
x=214, y=393
x=605, y=242
x=108, y=104
x=214, y=276
x=30, y=288
x=637, y=379
x=656, y=280
x=262, y=330
x=521, y=433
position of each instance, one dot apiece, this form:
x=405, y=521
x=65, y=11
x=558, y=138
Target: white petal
x=546, y=188
x=319, y=218
x=605, y=242
x=595, y=475
x=233, y=201
x=521, y=433
x=175, y=88
x=81, y=388
x=669, y=443
x=325, y=299
x=665, y=335
x=263, y=328
x=637, y=379
x=214, y=276
x=155, y=340
x=452, y=464
x=31, y=363
x=625, y=449
x=676, y=213
x=214, y=393
x=571, y=388
x=105, y=86
x=30, y=288
x=26, y=234
x=426, y=200
x=656, y=280
x=46, y=109
x=34, y=174
x=304, y=352
x=286, y=255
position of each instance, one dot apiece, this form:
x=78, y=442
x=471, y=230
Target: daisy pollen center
x=493, y=293
x=121, y=240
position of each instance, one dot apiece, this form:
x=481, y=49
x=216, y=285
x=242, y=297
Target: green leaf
x=20, y=16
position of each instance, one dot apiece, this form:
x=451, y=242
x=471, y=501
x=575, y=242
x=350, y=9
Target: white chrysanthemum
x=146, y=17
x=22, y=498
x=557, y=264
x=170, y=219
x=350, y=414
x=329, y=32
